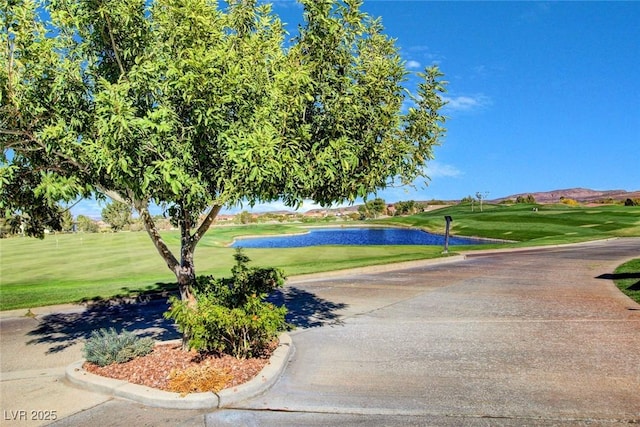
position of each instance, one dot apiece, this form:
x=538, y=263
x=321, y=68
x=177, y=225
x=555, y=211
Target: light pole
x=448, y=219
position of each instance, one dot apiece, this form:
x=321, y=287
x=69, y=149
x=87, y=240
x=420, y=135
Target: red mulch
x=153, y=369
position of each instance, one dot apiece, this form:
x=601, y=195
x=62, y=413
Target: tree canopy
x=194, y=105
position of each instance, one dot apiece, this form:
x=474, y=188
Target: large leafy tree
x=194, y=105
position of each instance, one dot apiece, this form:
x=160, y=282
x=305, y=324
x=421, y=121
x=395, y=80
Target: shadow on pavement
x=306, y=310
x=622, y=276
x=62, y=330
x=619, y=276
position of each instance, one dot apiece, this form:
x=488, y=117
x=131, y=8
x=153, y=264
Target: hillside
x=583, y=195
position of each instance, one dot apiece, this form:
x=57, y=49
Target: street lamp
x=448, y=219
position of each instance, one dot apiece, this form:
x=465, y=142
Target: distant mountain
x=583, y=195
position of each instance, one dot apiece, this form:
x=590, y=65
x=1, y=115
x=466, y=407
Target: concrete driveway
x=520, y=338
x=536, y=337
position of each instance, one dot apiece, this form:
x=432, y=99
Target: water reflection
x=353, y=236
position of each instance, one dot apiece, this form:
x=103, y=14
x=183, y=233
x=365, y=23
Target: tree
x=363, y=212
x=481, y=196
x=86, y=224
x=377, y=206
x=67, y=221
x=117, y=215
x=530, y=199
x=5, y=229
x=245, y=217
x=468, y=199
x=407, y=208
x=372, y=208
x=195, y=107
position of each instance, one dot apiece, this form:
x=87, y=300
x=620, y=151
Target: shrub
x=231, y=315
x=107, y=346
x=569, y=202
x=528, y=200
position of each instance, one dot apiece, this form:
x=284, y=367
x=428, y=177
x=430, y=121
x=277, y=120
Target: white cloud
x=413, y=64
x=284, y=3
x=426, y=54
x=536, y=12
x=466, y=103
x=419, y=189
x=440, y=170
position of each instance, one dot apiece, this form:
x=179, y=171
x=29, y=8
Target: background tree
x=377, y=207
x=194, y=107
x=467, y=199
x=67, y=221
x=407, y=207
x=245, y=217
x=117, y=215
x=481, y=196
x=86, y=224
x=530, y=199
x=372, y=208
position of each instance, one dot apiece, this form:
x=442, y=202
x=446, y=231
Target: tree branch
x=161, y=246
x=113, y=43
x=28, y=136
x=206, y=223
x=10, y=61
x=17, y=133
x=114, y=195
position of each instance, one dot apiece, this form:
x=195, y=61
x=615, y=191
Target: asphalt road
x=537, y=337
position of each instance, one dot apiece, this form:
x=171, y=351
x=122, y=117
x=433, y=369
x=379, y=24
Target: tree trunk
x=186, y=276
x=186, y=279
x=185, y=268
x=186, y=271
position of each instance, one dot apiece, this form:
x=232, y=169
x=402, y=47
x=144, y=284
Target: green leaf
x=188, y=102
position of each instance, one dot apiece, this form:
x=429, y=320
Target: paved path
x=520, y=338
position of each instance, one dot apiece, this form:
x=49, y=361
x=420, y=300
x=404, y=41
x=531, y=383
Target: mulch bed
x=153, y=369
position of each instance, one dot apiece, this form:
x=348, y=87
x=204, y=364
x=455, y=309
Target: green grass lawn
x=550, y=224
x=628, y=280
x=71, y=267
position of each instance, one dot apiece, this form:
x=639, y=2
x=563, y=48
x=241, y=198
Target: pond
x=353, y=236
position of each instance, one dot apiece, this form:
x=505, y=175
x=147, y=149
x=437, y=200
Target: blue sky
x=542, y=95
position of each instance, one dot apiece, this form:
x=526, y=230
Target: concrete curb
x=76, y=375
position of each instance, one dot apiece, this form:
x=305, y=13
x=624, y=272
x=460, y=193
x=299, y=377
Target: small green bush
x=107, y=346
x=231, y=315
